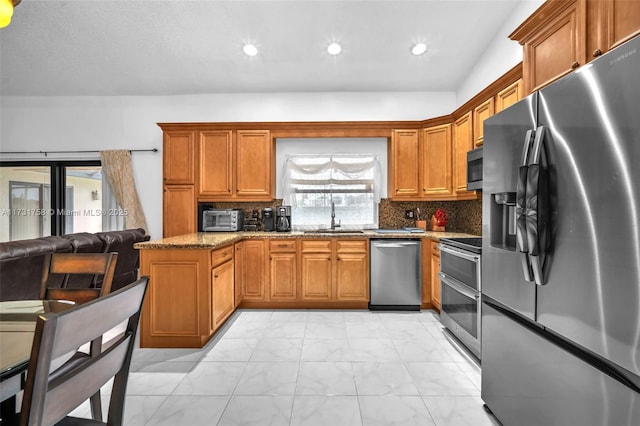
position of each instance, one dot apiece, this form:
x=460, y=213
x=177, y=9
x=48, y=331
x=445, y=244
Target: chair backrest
x=50, y=395
x=92, y=264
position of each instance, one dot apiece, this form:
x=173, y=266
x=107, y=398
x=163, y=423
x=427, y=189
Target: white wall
x=500, y=56
x=101, y=122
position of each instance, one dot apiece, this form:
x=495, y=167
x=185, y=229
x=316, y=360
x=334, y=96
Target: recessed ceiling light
x=419, y=48
x=250, y=50
x=334, y=48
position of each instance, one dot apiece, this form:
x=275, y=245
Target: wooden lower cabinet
x=435, y=270
x=426, y=274
x=238, y=265
x=283, y=270
x=255, y=256
x=334, y=270
x=352, y=270
x=316, y=268
x=223, y=303
x=177, y=307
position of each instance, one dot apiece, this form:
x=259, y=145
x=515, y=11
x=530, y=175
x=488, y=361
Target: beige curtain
x=118, y=170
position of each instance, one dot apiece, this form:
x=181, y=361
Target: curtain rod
x=71, y=152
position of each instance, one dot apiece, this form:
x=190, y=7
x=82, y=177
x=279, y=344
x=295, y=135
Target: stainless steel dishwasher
x=396, y=274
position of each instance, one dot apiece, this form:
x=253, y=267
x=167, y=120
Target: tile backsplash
x=464, y=216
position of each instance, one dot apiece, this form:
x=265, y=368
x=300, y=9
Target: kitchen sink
x=334, y=231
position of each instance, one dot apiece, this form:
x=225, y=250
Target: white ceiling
x=156, y=47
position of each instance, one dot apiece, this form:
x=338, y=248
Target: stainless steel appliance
x=460, y=281
x=283, y=219
x=268, y=220
x=396, y=274
x=221, y=220
x=561, y=250
x=474, y=169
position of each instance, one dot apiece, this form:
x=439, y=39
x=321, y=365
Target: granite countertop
x=201, y=240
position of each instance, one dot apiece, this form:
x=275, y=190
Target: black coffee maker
x=268, y=220
x=283, y=218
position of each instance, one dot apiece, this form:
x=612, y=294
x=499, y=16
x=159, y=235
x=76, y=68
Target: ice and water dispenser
x=503, y=220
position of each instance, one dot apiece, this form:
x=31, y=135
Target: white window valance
x=335, y=173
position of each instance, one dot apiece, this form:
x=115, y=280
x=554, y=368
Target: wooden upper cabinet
x=610, y=23
x=436, y=161
x=179, y=157
x=509, y=95
x=554, y=42
x=255, y=165
x=481, y=113
x=404, y=162
x=462, y=143
x=179, y=210
x=215, y=163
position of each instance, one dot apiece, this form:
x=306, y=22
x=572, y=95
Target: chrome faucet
x=333, y=217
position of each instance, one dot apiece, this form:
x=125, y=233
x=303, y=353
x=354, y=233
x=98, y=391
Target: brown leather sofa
x=22, y=262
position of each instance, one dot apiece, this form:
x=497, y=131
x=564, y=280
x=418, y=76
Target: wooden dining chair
x=92, y=265
x=49, y=396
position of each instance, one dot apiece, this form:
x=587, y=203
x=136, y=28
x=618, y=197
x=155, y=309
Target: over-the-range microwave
x=474, y=170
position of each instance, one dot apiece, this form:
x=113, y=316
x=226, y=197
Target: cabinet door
x=509, y=95
x=554, y=42
x=177, y=304
x=352, y=277
x=222, y=293
x=255, y=165
x=436, y=161
x=316, y=276
x=405, y=158
x=215, y=163
x=254, y=270
x=238, y=273
x=481, y=113
x=179, y=150
x=178, y=210
x=616, y=22
x=435, y=279
x=283, y=276
x=462, y=143
x=426, y=271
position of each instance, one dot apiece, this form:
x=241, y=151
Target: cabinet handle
x=597, y=53
x=282, y=245
x=575, y=65
x=215, y=276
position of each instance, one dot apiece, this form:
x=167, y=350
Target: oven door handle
x=459, y=253
x=457, y=286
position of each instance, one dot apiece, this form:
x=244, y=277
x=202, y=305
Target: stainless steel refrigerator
x=561, y=250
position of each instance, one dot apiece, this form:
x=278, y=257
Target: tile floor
x=307, y=368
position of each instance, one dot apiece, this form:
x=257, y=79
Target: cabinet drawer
x=352, y=246
x=316, y=246
x=282, y=245
x=222, y=255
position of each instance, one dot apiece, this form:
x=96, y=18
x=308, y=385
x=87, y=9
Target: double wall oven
x=460, y=278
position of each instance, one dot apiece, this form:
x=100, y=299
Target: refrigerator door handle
x=537, y=209
x=521, y=208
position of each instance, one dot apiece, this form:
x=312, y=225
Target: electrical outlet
x=408, y=214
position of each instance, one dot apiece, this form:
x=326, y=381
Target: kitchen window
x=39, y=199
x=352, y=182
